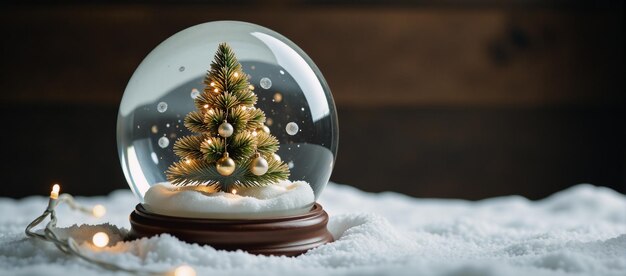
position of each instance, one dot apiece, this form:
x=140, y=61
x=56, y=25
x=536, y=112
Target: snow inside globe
x=227, y=119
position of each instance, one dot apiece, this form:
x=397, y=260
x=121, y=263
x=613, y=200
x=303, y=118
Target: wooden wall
x=465, y=101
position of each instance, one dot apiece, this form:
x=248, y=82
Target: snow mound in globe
x=284, y=198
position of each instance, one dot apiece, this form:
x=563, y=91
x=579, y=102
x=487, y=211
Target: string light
x=236, y=74
x=100, y=239
x=212, y=84
x=234, y=191
x=216, y=90
x=187, y=161
x=98, y=211
x=54, y=194
x=184, y=270
x=206, y=106
x=254, y=133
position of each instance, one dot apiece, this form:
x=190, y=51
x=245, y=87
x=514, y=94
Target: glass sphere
x=291, y=90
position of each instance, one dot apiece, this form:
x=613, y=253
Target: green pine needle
x=188, y=147
x=195, y=123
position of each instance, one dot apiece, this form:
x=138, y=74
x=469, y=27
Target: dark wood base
x=285, y=236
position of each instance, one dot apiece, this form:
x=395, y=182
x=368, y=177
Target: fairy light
x=236, y=74
x=54, y=194
x=212, y=84
x=216, y=90
x=69, y=246
x=278, y=97
x=234, y=191
x=211, y=111
x=187, y=161
x=206, y=106
x=184, y=270
x=98, y=211
x=254, y=133
x=100, y=239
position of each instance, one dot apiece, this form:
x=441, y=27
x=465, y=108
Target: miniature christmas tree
x=232, y=147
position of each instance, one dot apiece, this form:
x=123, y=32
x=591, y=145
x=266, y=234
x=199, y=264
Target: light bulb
x=234, y=191
x=236, y=74
x=100, y=239
x=98, y=211
x=216, y=90
x=254, y=133
x=206, y=106
x=54, y=194
x=184, y=270
x=212, y=84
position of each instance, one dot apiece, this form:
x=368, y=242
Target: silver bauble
x=225, y=129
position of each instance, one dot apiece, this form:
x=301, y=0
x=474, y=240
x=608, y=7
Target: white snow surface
x=284, y=198
x=578, y=231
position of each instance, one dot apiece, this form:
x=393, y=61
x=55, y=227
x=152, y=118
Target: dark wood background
x=467, y=99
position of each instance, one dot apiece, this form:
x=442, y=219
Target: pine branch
x=197, y=173
x=202, y=101
x=242, y=146
x=225, y=57
x=256, y=119
x=239, y=85
x=193, y=173
x=266, y=143
x=223, y=101
x=188, y=147
x=212, y=149
x=245, y=95
x=195, y=123
x=277, y=171
x=237, y=117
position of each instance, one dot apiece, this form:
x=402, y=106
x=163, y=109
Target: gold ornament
x=225, y=165
x=276, y=157
x=259, y=165
x=264, y=129
x=225, y=129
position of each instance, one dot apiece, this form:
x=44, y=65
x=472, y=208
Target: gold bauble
x=225, y=165
x=259, y=165
x=264, y=129
x=276, y=157
x=225, y=129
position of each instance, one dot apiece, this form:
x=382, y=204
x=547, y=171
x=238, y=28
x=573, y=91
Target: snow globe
x=227, y=134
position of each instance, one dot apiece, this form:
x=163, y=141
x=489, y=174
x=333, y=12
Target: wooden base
x=286, y=236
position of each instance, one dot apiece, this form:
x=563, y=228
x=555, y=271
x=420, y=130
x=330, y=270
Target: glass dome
x=290, y=88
